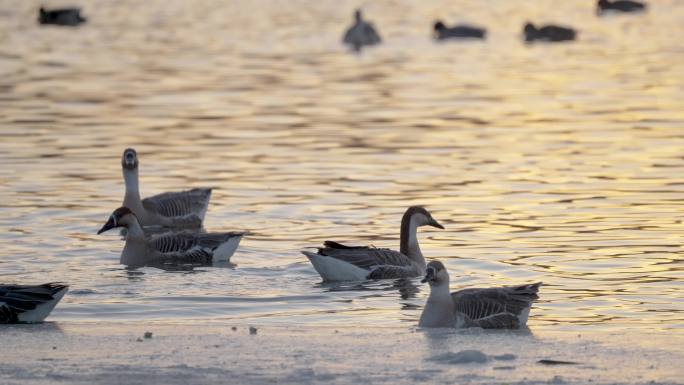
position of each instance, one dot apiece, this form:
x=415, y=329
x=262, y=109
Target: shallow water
x=554, y=163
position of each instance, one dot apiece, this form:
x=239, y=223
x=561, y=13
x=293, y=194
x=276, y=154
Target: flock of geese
x=168, y=228
x=363, y=33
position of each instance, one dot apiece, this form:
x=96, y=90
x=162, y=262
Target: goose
x=361, y=33
x=442, y=32
x=504, y=307
x=620, y=6
x=29, y=303
x=337, y=262
x=63, y=16
x=169, y=247
x=183, y=209
x=551, y=33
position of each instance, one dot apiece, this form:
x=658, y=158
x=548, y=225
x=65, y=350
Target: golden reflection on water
x=558, y=163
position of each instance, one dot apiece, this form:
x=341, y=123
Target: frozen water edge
x=115, y=353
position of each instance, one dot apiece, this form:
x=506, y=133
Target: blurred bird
x=443, y=32
x=619, y=6
x=63, y=16
x=361, y=33
x=550, y=33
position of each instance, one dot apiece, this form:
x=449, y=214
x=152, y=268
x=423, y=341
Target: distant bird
x=361, y=33
x=619, y=6
x=26, y=303
x=63, y=16
x=337, y=262
x=443, y=32
x=504, y=307
x=551, y=33
x=183, y=209
x=170, y=247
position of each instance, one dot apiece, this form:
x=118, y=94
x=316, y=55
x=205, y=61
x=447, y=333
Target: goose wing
x=190, y=246
x=495, y=308
x=369, y=258
x=393, y=272
x=179, y=204
x=370, y=34
x=16, y=299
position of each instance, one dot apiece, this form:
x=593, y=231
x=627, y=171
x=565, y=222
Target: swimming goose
x=179, y=247
x=442, y=32
x=184, y=209
x=27, y=303
x=361, y=33
x=504, y=307
x=551, y=33
x=337, y=262
x=619, y=6
x=63, y=16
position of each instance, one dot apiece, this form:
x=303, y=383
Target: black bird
x=548, y=33
x=443, y=32
x=620, y=6
x=29, y=303
x=63, y=16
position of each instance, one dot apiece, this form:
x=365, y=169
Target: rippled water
x=560, y=163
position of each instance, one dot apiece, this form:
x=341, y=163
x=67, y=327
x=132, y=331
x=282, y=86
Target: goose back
x=363, y=256
x=179, y=204
x=495, y=308
x=16, y=300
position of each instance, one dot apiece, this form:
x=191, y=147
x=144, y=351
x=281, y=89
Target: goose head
x=436, y=274
x=419, y=216
x=129, y=159
x=121, y=217
x=530, y=31
x=357, y=15
x=439, y=26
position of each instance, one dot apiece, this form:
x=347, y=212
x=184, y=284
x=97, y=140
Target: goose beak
x=429, y=276
x=436, y=224
x=111, y=223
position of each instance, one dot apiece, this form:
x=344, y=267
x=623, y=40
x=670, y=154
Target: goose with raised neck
x=337, y=262
x=361, y=33
x=182, y=209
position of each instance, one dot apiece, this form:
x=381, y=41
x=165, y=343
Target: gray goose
x=361, y=33
x=337, y=262
x=442, y=32
x=170, y=247
x=619, y=6
x=548, y=33
x=183, y=209
x=504, y=307
x=29, y=303
x=69, y=17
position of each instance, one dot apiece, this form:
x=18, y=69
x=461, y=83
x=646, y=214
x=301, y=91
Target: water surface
x=555, y=163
